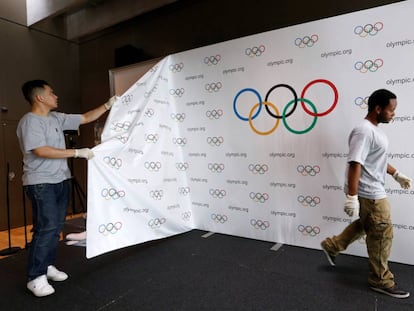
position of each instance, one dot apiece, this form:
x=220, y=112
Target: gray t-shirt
x=368, y=146
x=34, y=131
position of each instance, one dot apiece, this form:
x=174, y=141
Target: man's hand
x=403, y=180
x=351, y=206
x=85, y=153
x=108, y=105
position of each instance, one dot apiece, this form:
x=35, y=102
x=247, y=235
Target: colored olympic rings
x=310, y=126
x=256, y=109
x=235, y=100
x=335, y=101
x=251, y=122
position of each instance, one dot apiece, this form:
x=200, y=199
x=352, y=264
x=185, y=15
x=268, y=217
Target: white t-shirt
x=36, y=131
x=368, y=146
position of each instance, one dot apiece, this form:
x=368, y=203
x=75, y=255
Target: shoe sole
x=328, y=256
x=380, y=290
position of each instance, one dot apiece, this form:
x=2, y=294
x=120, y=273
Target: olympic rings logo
x=110, y=228
x=181, y=166
x=216, y=167
x=186, y=215
x=259, y=197
x=258, y=168
x=217, y=193
x=152, y=166
x=123, y=139
x=369, y=65
x=361, y=102
x=149, y=112
x=307, y=170
x=113, y=162
x=214, y=114
x=309, y=230
x=260, y=224
x=151, y=138
x=184, y=190
x=156, y=222
x=213, y=87
x=180, y=141
x=177, y=92
x=156, y=194
x=308, y=200
x=112, y=193
x=255, y=51
x=118, y=126
x=219, y=218
x=215, y=141
x=176, y=67
x=212, y=60
x=180, y=117
x=306, y=41
x=126, y=99
x=285, y=114
x=368, y=29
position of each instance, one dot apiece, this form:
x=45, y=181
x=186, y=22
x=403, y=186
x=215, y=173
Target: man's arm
x=53, y=153
x=94, y=114
x=354, y=173
x=56, y=153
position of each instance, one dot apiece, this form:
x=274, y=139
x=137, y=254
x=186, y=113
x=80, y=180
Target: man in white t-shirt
x=366, y=169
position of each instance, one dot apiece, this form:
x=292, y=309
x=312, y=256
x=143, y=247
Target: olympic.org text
x=280, y=62
x=239, y=209
x=282, y=185
x=403, y=119
x=331, y=187
x=336, y=53
x=282, y=155
x=336, y=219
x=278, y=213
x=199, y=204
x=399, y=43
x=399, y=81
x=236, y=155
x=400, y=156
x=399, y=191
x=334, y=155
x=403, y=227
x=237, y=182
x=136, y=210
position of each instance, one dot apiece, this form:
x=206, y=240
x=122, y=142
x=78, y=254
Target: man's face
x=388, y=112
x=49, y=98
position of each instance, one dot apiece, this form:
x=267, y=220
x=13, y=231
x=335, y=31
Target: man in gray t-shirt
x=46, y=176
x=366, y=169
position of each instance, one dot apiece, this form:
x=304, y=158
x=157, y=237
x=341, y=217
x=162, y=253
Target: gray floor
x=191, y=272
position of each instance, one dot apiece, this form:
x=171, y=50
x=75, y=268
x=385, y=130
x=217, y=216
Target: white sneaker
x=40, y=287
x=55, y=275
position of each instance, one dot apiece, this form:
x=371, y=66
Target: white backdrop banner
x=249, y=137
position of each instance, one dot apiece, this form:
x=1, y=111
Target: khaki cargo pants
x=374, y=221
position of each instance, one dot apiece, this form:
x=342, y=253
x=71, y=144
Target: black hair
x=30, y=88
x=380, y=98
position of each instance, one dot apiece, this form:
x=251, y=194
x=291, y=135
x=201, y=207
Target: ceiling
x=75, y=20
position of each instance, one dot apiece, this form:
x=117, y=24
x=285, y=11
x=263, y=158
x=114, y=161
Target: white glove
x=351, y=206
x=108, y=105
x=84, y=153
x=403, y=180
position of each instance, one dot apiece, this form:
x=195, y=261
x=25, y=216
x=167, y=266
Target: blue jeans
x=49, y=207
